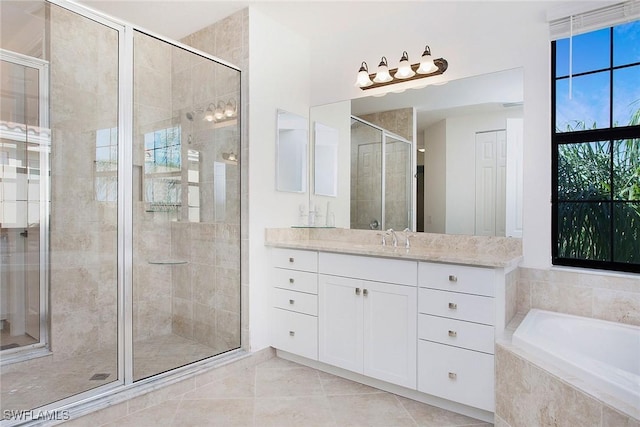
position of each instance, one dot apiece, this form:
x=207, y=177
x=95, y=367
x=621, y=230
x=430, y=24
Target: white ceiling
x=172, y=19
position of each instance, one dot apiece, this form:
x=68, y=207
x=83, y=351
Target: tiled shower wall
x=205, y=292
x=83, y=262
x=397, y=185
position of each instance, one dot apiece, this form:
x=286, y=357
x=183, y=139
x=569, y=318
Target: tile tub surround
x=531, y=391
x=529, y=395
x=272, y=392
x=486, y=251
x=598, y=294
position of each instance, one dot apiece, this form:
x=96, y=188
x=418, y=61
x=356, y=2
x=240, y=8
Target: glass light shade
x=208, y=115
x=426, y=63
x=229, y=110
x=218, y=114
x=383, y=76
x=404, y=68
x=363, y=79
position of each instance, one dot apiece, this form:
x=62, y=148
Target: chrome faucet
x=407, y=234
x=395, y=237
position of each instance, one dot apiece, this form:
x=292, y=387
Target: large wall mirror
x=291, y=152
x=466, y=148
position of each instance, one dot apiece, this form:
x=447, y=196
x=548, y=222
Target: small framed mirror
x=325, y=167
x=291, y=152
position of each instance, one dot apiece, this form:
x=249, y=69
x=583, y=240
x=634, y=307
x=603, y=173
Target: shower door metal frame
x=42, y=66
x=388, y=134
x=102, y=396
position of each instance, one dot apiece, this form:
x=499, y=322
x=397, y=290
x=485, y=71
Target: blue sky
x=590, y=94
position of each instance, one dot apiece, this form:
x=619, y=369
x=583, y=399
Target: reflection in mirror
x=380, y=189
x=471, y=186
x=291, y=152
x=325, y=167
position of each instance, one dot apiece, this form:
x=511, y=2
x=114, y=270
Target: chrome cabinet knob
x=292, y=333
x=291, y=280
x=453, y=306
x=453, y=334
x=453, y=376
x=291, y=301
x=453, y=278
x=291, y=259
x=357, y=291
x=365, y=292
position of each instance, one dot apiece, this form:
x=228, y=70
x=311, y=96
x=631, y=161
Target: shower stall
x=119, y=205
x=381, y=178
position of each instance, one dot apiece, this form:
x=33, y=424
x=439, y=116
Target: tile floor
x=282, y=393
x=48, y=379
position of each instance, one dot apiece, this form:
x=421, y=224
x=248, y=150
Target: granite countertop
x=467, y=250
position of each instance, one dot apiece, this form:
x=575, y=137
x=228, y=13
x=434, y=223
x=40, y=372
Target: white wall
x=278, y=78
x=475, y=38
x=435, y=158
x=461, y=165
x=337, y=116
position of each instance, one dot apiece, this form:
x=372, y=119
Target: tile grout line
x=405, y=409
x=326, y=399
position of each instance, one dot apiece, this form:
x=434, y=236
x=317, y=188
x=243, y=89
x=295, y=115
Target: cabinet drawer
x=396, y=271
x=472, y=308
x=294, y=332
x=456, y=332
x=456, y=374
x=457, y=278
x=295, y=280
x=295, y=301
x=295, y=259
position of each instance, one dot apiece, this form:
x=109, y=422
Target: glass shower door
x=186, y=208
x=366, y=176
x=24, y=147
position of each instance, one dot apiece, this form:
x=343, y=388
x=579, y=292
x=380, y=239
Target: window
x=163, y=169
x=596, y=149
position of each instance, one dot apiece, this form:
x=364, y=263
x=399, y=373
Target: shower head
x=189, y=115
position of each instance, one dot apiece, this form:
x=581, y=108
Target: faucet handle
x=407, y=234
x=383, y=242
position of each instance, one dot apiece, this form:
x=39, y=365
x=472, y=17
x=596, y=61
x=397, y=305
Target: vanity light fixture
x=221, y=111
x=406, y=71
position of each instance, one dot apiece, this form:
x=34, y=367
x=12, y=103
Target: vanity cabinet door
x=340, y=319
x=390, y=332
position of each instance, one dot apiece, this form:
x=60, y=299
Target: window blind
x=583, y=22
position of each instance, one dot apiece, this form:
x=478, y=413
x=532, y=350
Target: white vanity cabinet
x=367, y=316
x=456, y=327
x=294, y=301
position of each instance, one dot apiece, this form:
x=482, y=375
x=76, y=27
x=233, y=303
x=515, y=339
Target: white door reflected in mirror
x=291, y=152
x=325, y=168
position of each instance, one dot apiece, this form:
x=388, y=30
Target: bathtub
x=600, y=353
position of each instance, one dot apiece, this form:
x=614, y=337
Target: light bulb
x=229, y=110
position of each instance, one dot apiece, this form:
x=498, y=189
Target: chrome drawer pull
x=453, y=278
x=365, y=292
x=453, y=334
x=357, y=291
x=453, y=306
x=292, y=333
x=291, y=301
x=453, y=376
x=291, y=259
x=291, y=280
